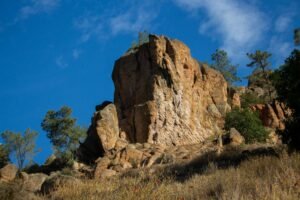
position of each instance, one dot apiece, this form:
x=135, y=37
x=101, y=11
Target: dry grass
x=265, y=176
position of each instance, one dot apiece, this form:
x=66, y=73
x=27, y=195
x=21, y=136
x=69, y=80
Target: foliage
x=63, y=132
x=143, y=37
x=259, y=60
x=247, y=123
x=22, y=147
x=287, y=83
x=4, y=156
x=248, y=99
x=222, y=63
x=297, y=36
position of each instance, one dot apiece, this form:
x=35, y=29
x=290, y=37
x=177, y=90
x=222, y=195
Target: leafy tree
x=22, y=147
x=222, y=63
x=63, y=132
x=259, y=60
x=297, y=36
x=287, y=83
x=143, y=37
x=247, y=123
x=4, y=156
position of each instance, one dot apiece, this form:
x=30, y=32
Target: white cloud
x=282, y=23
x=280, y=50
x=237, y=25
x=36, y=7
x=133, y=17
x=76, y=53
x=61, y=62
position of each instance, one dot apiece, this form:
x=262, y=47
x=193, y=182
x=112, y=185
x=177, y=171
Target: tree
x=286, y=80
x=22, y=147
x=223, y=64
x=297, y=36
x=143, y=37
x=4, y=156
x=259, y=60
x=247, y=123
x=62, y=131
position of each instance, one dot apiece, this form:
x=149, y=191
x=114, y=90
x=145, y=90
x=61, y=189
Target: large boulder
x=33, y=182
x=103, y=133
x=8, y=172
x=164, y=96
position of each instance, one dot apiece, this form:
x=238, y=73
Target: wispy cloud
x=283, y=22
x=61, y=62
x=76, y=53
x=280, y=49
x=37, y=6
x=236, y=24
x=131, y=18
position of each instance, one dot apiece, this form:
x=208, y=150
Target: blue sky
x=62, y=52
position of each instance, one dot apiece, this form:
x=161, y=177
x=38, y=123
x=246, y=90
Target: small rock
x=106, y=173
x=235, y=137
x=125, y=164
x=120, y=144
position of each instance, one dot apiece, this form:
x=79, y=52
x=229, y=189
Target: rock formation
x=102, y=135
x=164, y=96
x=273, y=115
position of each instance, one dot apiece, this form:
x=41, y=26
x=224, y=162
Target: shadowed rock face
x=163, y=96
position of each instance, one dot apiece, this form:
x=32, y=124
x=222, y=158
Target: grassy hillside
x=263, y=173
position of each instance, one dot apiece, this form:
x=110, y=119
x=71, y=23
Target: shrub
x=247, y=123
x=249, y=99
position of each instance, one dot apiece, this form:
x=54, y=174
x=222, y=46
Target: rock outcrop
x=8, y=172
x=164, y=96
x=273, y=115
x=102, y=135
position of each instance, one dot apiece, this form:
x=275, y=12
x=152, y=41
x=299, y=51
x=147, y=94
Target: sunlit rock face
x=164, y=96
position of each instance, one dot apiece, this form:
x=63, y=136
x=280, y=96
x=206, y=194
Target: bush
x=247, y=123
x=249, y=99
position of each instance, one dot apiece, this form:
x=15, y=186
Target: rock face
x=273, y=115
x=164, y=96
x=102, y=134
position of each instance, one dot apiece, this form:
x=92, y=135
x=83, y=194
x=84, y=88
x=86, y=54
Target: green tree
x=297, y=36
x=22, y=147
x=63, y=132
x=143, y=37
x=4, y=156
x=222, y=63
x=247, y=123
x=286, y=80
x=259, y=60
